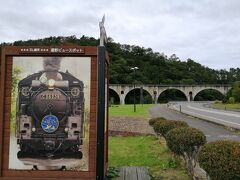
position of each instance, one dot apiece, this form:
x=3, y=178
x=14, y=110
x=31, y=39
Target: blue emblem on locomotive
x=50, y=123
x=50, y=113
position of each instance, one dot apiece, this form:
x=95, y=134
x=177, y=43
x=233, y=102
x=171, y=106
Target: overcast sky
x=207, y=31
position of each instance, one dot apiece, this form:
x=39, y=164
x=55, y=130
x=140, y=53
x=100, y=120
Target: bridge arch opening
x=208, y=95
x=171, y=95
x=145, y=98
x=113, y=97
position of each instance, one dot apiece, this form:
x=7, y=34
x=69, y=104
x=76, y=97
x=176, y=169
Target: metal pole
x=100, y=114
x=134, y=77
x=134, y=102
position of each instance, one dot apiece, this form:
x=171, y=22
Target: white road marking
x=204, y=116
x=215, y=112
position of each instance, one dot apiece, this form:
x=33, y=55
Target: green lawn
x=127, y=110
x=145, y=151
x=229, y=106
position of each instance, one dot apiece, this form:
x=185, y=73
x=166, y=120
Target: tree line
x=154, y=67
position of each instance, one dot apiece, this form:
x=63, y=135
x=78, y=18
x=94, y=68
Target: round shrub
x=225, y=100
x=162, y=127
x=185, y=139
x=221, y=159
x=153, y=120
x=231, y=100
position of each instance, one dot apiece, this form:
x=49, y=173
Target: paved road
x=212, y=131
x=200, y=110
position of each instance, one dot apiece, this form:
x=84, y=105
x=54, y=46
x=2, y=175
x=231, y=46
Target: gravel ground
x=130, y=125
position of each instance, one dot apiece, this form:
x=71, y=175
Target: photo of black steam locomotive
x=50, y=113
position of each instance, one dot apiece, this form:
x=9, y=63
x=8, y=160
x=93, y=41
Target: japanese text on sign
x=52, y=50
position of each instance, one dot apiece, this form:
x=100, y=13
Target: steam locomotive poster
x=50, y=113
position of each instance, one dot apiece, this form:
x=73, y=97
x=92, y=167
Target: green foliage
x=145, y=151
x=15, y=79
x=163, y=127
x=16, y=71
x=154, y=67
x=225, y=100
x=112, y=172
x=236, y=91
x=221, y=159
x=128, y=110
x=172, y=162
x=231, y=100
x=188, y=81
x=235, y=106
x=154, y=120
x=171, y=95
x=209, y=94
x=185, y=139
x=147, y=98
x=229, y=94
x=217, y=102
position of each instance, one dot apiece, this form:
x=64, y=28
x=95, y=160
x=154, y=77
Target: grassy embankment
x=143, y=150
x=127, y=110
x=220, y=105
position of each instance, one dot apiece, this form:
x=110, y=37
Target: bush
x=185, y=139
x=218, y=102
x=225, y=100
x=221, y=159
x=235, y=92
x=162, y=127
x=153, y=120
x=231, y=100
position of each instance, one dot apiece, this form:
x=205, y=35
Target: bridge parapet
x=174, y=85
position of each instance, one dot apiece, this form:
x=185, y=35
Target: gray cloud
x=206, y=31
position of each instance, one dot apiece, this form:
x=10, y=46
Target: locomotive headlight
x=51, y=83
x=33, y=129
x=66, y=129
x=25, y=91
x=75, y=91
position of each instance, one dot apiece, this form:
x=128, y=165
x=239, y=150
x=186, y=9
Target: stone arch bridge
x=190, y=91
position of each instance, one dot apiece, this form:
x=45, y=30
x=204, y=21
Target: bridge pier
x=122, y=99
x=154, y=97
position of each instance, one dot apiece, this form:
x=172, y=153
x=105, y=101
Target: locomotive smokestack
x=51, y=64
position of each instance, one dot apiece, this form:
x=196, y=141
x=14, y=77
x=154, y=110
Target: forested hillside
x=154, y=67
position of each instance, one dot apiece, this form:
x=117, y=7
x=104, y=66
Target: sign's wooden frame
x=7, y=55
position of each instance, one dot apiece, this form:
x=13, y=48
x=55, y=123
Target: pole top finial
x=103, y=34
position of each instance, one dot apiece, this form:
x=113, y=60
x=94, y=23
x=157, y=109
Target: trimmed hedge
x=221, y=159
x=185, y=139
x=162, y=127
x=153, y=120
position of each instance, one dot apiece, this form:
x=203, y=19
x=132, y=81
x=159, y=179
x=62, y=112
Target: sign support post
x=101, y=57
x=101, y=113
